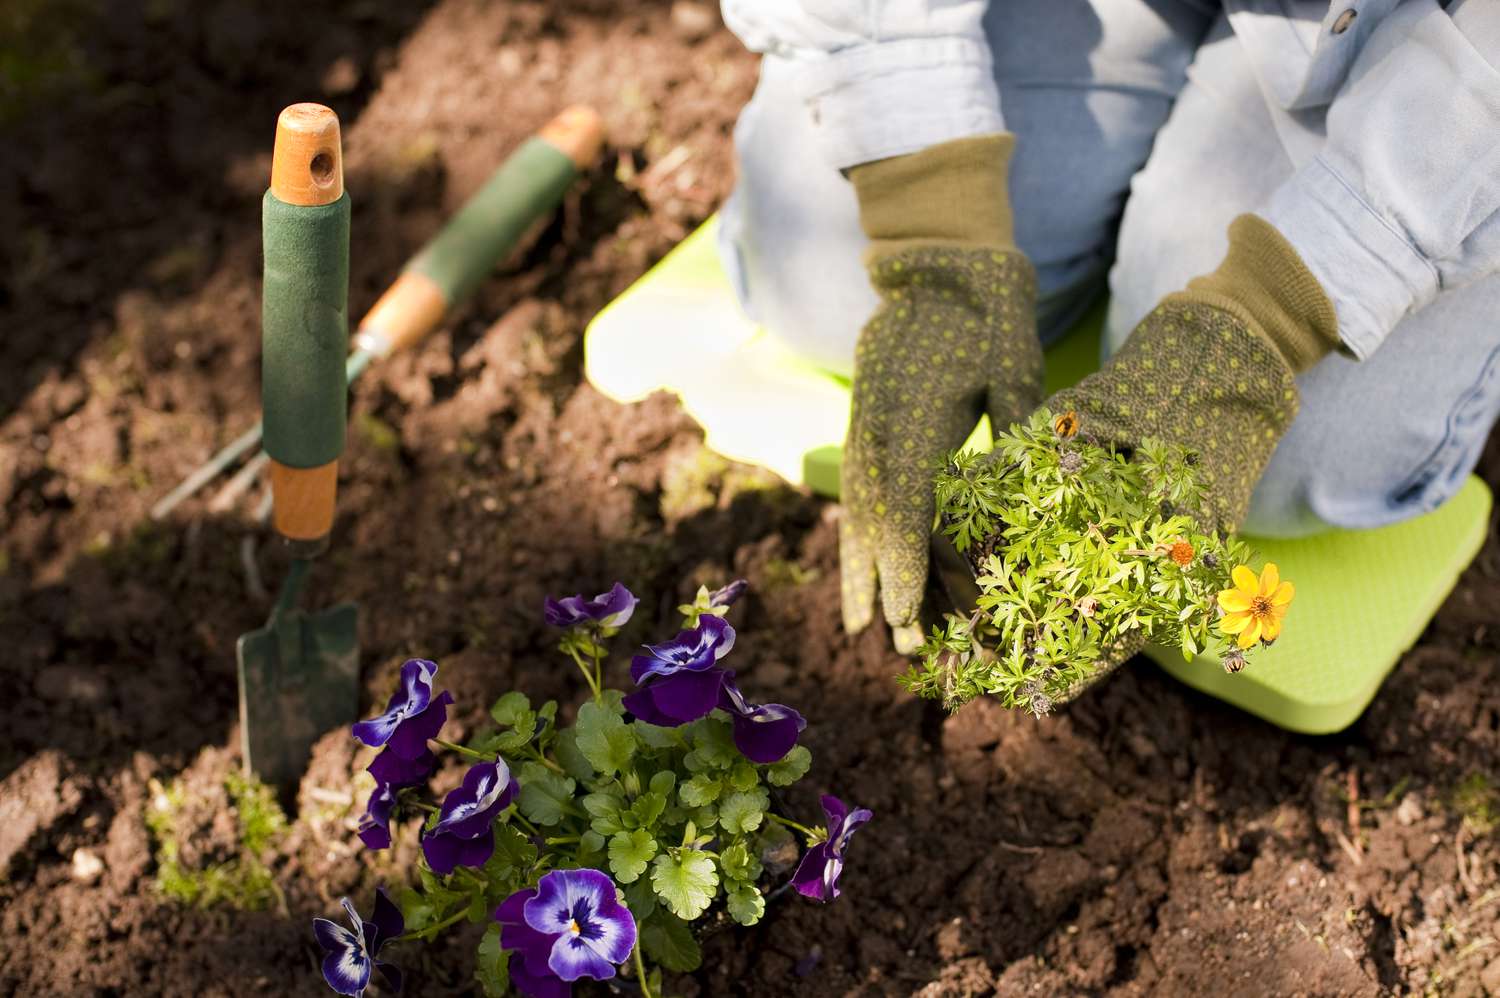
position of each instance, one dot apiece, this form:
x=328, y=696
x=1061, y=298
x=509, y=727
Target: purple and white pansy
x=464, y=834
x=817, y=876
x=763, y=733
x=392, y=774
x=412, y=716
x=350, y=955
x=680, y=679
x=611, y=609
x=569, y=926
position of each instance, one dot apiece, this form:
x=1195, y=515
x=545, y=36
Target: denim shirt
x=1390, y=109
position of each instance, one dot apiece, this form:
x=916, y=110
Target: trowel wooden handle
x=526, y=187
x=305, y=330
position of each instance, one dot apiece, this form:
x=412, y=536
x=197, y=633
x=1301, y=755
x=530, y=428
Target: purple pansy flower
x=464, y=834
x=571, y=925
x=351, y=955
x=412, y=716
x=375, y=823
x=680, y=679
x=611, y=609
x=729, y=594
x=817, y=875
x=389, y=769
x=762, y=732
x=691, y=651
x=392, y=773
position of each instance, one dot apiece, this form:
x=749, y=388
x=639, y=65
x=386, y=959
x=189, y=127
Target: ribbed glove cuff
x=952, y=194
x=1264, y=283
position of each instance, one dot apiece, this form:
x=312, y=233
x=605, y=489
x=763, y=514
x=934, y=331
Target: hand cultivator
x=298, y=674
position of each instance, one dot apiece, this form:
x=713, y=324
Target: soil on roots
x=1145, y=840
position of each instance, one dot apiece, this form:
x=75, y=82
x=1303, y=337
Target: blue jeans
x=1142, y=130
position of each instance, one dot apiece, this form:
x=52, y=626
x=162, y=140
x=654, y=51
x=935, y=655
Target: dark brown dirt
x=1144, y=841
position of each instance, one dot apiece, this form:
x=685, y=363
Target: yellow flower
x=1254, y=607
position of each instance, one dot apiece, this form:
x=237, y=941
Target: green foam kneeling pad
x=1363, y=597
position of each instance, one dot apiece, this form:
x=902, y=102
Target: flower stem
x=536, y=754
x=521, y=820
x=559, y=840
x=640, y=972
x=429, y=808
x=434, y=928
x=788, y=822
x=588, y=674
x=462, y=750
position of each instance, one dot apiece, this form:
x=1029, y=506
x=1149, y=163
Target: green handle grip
x=527, y=186
x=304, y=330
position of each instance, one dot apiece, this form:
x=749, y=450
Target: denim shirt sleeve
x=880, y=78
x=1402, y=200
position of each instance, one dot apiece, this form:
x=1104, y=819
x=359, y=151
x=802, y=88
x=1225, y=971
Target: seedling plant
x=1082, y=555
x=606, y=846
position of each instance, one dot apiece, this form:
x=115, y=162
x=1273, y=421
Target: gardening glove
x=1212, y=369
x=953, y=336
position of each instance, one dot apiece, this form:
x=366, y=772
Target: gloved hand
x=1212, y=369
x=954, y=335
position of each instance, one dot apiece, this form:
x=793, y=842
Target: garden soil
x=1145, y=840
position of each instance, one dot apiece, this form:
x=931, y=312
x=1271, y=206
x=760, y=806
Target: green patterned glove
x=1212, y=369
x=954, y=335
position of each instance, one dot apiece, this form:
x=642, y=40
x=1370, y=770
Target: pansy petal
x=642, y=705
x=808, y=880
x=347, y=971
x=534, y=985
x=411, y=737
x=387, y=918
x=687, y=696
x=549, y=910
x=392, y=975
x=476, y=852
x=377, y=730
x=765, y=742
x=1245, y=580
x=857, y=818
x=1283, y=594
x=573, y=958
x=512, y=909
x=1234, y=600
x=834, y=810
x=1270, y=578
x=390, y=769
x=333, y=936
x=441, y=853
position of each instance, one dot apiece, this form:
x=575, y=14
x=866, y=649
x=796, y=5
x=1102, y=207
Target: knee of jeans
x=1310, y=487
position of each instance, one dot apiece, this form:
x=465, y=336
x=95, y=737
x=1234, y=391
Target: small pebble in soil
x=692, y=21
x=87, y=867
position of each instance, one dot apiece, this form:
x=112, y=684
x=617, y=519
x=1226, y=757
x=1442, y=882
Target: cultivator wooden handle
x=304, y=322
x=526, y=187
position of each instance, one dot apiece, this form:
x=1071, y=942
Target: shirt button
x=1342, y=22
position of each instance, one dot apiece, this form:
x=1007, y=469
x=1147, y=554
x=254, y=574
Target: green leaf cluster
x=1070, y=546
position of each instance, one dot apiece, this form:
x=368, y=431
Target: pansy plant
x=1078, y=555
x=603, y=846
